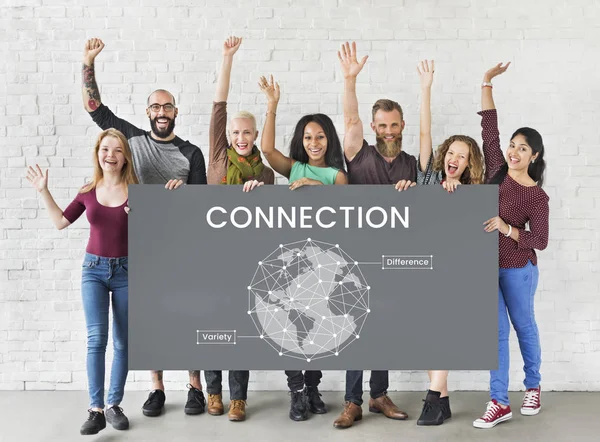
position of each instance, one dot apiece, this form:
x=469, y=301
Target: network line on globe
x=308, y=299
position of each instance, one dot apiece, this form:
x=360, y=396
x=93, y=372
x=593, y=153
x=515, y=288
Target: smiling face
x=456, y=160
x=110, y=155
x=162, y=121
x=519, y=154
x=388, y=128
x=314, y=142
x=243, y=134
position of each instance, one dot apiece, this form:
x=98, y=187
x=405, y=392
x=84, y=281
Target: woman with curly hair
x=458, y=160
x=104, y=272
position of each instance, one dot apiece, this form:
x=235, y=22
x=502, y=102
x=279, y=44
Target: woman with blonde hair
x=104, y=272
x=458, y=160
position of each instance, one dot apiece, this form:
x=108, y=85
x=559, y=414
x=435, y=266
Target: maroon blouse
x=108, y=225
x=519, y=204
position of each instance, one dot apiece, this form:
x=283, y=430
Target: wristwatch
x=486, y=84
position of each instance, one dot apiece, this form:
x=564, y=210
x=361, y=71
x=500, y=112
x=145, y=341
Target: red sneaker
x=493, y=415
x=531, y=402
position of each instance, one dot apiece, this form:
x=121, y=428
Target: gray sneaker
x=114, y=416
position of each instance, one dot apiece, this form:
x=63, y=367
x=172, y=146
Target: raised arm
x=276, y=159
x=89, y=91
x=230, y=47
x=39, y=181
x=425, y=70
x=353, y=137
x=487, y=99
x=494, y=157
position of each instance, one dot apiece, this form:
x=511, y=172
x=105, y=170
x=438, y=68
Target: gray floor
x=56, y=416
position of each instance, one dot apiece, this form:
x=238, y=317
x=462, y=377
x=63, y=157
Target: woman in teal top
x=315, y=159
x=315, y=150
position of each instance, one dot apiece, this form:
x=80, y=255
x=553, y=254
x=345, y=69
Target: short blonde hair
x=247, y=115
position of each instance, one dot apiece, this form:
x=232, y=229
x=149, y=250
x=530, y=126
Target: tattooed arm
x=89, y=90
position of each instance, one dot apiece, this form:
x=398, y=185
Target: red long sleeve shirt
x=519, y=204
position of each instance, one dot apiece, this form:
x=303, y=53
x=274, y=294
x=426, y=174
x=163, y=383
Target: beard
x=163, y=133
x=389, y=149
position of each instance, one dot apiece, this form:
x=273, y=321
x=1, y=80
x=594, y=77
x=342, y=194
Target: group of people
x=124, y=154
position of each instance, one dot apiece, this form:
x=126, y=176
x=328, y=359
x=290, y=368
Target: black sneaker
x=445, y=406
x=115, y=417
x=94, y=423
x=196, y=404
x=299, y=406
x=432, y=412
x=154, y=404
x=315, y=404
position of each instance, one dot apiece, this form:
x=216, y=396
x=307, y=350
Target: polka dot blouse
x=518, y=204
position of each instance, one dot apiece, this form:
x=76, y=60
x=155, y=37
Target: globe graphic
x=308, y=300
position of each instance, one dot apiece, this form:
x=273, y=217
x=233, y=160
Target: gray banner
x=327, y=277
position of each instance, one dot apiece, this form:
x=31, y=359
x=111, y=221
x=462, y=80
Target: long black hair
x=535, y=169
x=334, y=156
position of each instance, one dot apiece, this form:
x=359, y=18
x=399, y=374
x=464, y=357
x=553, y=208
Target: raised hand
x=231, y=45
x=91, y=49
x=250, y=185
x=426, y=69
x=495, y=71
x=350, y=65
x=270, y=88
x=37, y=178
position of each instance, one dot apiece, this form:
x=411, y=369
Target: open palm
x=37, y=178
x=350, y=64
x=495, y=71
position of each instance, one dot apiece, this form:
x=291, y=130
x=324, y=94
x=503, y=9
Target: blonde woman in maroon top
x=104, y=279
x=522, y=203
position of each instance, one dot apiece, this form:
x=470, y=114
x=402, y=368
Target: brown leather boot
x=237, y=410
x=351, y=414
x=215, y=404
x=383, y=404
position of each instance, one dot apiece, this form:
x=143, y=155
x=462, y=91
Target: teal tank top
x=303, y=170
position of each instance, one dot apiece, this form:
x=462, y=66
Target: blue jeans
x=100, y=277
x=515, y=299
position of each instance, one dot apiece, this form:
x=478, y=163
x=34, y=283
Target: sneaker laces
x=152, y=397
x=427, y=406
x=532, y=398
x=196, y=394
x=491, y=410
x=93, y=415
x=117, y=410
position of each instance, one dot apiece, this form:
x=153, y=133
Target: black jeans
x=297, y=380
x=238, y=383
x=378, y=384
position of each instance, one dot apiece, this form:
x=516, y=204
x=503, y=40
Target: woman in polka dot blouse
x=521, y=202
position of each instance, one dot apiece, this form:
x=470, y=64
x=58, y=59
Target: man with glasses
x=159, y=157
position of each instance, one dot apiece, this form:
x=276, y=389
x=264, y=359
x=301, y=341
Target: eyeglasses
x=156, y=107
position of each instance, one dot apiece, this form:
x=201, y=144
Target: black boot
x=445, y=405
x=432, y=411
x=299, y=406
x=315, y=404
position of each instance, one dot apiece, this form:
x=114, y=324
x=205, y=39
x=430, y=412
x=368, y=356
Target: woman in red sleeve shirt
x=522, y=202
x=104, y=269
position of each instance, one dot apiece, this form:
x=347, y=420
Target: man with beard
x=159, y=157
x=384, y=163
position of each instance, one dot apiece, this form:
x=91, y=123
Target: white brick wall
x=552, y=85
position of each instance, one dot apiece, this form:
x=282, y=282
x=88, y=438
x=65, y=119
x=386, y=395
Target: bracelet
x=509, y=231
x=487, y=84
x=270, y=112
